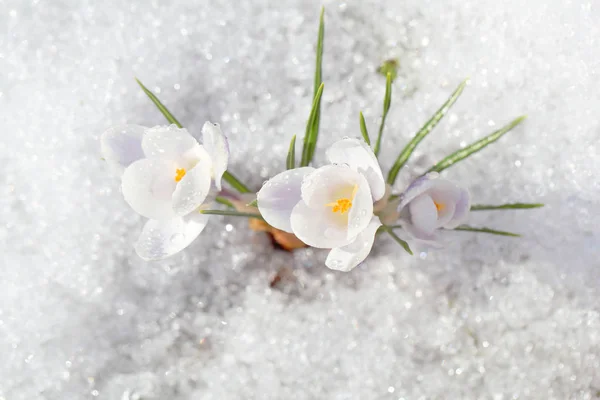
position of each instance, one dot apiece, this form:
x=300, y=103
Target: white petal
x=121, y=145
x=192, y=189
x=161, y=239
x=361, y=212
x=359, y=156
x=278, y=197
x=169, y=141
x=216, y=145
x=317, y=227
x=416, y=188
x=328, y=184
x=461, y=211
x=423, y=213
x=347, y=257
x=148, y=186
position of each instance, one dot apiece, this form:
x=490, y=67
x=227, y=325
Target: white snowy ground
x=82, y=317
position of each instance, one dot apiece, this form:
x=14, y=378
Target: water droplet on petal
x=177, y=237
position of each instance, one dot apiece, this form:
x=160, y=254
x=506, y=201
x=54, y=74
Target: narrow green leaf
x=405, y=246
x=224, y=201
x=485, y=230
x=424, y=131
x=253, y=203
x=228, y=176
x=319, y=61
x=363, y=129
x=231, y=213
x=311, y=135
x=159, y=105
x=509, y=206
x=475, y=147
x=387, y=101
x=235, y=182
x=291, y=156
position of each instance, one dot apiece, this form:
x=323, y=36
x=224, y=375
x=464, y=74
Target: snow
x=82, y=317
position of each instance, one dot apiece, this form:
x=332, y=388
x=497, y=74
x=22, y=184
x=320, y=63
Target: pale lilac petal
x=167, y=141
x=423, y=214
x=192, y=190
x=319, y=227
x=216, y=144
x=161, y=239
x=347, y=257
x=278, y=197
x=362, y=208
x=416, y=188
x=148, y=186
x=461, y=211
x=328, y=184
x=121, y=145
x=359, y=156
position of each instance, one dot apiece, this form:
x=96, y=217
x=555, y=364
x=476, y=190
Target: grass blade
x=401, y=242
x=224, y=201
x=363, y=129
x=311, y=135
x=485, y=230
x=387, y=101
x=291, y=156
x=424, y=131
x=475, y=147
x=232, y=213
x=159, y=105
x=319, y=62
x=229, y=178
x=509, y=206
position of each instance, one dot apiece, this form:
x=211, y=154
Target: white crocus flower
x=329, y=207
x=429, y=204
x=168, y=177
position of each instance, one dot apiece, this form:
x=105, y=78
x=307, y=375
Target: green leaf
x=390, y=66
x=363, y=129
x=232, y=213
x=387, y=101
x=475, y=147
x=424, y=131
x=291, y=156
x=235, y=182
x=509, y=206
x=229, y=178
x=253, y=203
x=312, y=127
x=312, y=130
x=389, y=230
x=159, y=105
x=485, y=230
x=224, y=201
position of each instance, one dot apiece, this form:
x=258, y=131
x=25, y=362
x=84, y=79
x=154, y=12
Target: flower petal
x=359, y=156
x=169, y=141
x=148, y=186
x=347, y=257
x=161, y=239
x=279, y=195
x=317, y=227
x=461, y=211
x=192, y=189
x=361, y=212
x=328, y=184
x=416, y=188
x=216, y=144
x=121, y=145
x=423, y=214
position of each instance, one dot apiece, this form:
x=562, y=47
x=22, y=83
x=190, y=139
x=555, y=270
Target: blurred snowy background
x=82, y=317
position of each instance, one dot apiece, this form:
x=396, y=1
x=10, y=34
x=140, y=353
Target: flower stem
x=232, y=214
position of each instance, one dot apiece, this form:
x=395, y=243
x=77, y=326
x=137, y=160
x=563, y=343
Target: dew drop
x=177, y=237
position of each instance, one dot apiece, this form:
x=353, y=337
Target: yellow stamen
x=179, y=174
x=439, y=206
x=344, y=204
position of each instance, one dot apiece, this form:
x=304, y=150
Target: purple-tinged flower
x=429, y=204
